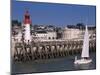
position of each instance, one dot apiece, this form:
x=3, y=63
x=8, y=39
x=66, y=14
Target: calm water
x=52, y=65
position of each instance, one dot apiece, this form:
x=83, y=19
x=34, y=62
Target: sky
x=53, y=13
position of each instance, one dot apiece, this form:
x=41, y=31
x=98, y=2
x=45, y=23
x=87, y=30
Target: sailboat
x=85, y=50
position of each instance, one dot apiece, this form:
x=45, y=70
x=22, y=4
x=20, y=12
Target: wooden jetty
x=47, y=49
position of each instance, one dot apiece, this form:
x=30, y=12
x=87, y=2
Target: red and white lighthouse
x=27, y=23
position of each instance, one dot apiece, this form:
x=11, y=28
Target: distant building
x=70, y=33
x=51, y=35
x=16, y=27
x=44, y=35
x=76, y=33
x=43, y=32
x=15, y=30
x=18, y=37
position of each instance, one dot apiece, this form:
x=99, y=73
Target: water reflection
x=82, y=66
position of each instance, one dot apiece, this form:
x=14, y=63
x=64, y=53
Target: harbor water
x=52, y=65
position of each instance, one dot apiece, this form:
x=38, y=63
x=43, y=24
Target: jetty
x=47, y=49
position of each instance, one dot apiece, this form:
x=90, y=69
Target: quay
x=47, y=49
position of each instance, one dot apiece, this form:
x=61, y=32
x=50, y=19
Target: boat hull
x=83, y=61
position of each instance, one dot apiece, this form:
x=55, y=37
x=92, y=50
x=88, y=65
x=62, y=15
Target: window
x=53, y=38
x=49, y=38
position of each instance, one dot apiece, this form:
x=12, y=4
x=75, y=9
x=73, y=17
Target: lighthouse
x=26, y=24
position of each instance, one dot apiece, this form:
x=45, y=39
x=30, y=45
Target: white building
x=51, y=35
x=69, y=33
x=44, y=35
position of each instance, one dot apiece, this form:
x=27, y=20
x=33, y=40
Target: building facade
x=44, y=36
x=70, y=33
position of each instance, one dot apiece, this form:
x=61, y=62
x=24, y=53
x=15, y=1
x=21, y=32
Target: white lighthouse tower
x=27, y=22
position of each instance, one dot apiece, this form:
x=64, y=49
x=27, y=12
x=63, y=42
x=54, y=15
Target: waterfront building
x=76, y=33
x=51, y=35
x=44, y=35
x=71, y=33
x=18, y=37
x=16, y=27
